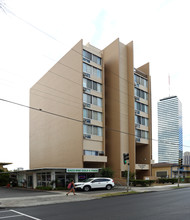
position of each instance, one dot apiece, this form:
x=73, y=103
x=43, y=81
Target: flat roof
x=1, y=163
x=170, y=97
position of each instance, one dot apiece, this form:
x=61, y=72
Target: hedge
x=167, y=180
x=142, y=182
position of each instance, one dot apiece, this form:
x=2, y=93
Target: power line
x=40, y=110
x=69, y=118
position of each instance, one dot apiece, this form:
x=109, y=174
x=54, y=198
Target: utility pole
x=128, y=177
x=125, y=158
x=180, y=167
x=178, y=177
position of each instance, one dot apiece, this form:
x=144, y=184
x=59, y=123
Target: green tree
x=107, y=172
x=4, y=179
x=131, y=175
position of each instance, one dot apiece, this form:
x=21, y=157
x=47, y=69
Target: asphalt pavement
x=15, y=197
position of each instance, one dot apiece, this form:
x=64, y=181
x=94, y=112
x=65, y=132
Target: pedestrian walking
x=71, y=187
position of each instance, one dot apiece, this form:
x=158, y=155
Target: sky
x=35, y=34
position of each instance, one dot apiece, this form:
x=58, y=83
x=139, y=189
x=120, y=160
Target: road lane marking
x=25, y=215
x=10, y=216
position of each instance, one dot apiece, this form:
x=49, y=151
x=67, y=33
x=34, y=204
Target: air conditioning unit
x=84, y=104
x=137, y=98
x=86, y=89
x=85, y=120
x=101, y=152
x=86, y=75
x=137, y=112
x=87, y=136
x=86, y=60
x=136, y=84
x=137, y=125
x=138, y=139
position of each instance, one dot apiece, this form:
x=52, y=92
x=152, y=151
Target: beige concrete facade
x=120, y=111
x=76, y=126
x=169, y=170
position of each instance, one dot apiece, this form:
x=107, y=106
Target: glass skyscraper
x=170, y=131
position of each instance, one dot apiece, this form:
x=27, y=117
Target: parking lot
x=20, y=192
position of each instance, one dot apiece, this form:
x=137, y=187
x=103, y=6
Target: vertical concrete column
x=53, y=179
x=24, y=180
x=34, y=180
x=76, y=177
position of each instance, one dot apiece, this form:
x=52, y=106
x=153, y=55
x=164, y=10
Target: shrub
x=131, y=175
x=168, y=180
x=142, y=182
x=106, y=172
x=61, y=188
x=44, y=187
x=4, y=179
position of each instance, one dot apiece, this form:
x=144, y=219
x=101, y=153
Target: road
x=164, y=205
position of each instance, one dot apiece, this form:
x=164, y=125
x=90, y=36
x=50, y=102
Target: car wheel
x=86, y=188
x=108, y=187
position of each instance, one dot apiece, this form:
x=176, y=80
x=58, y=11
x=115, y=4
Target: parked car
x=95, y=183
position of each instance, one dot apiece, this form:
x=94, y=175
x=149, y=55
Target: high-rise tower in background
x=170, y=131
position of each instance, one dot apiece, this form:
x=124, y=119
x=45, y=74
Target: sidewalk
x=60, y=196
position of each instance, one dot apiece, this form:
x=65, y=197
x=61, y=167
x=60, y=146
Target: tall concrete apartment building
x=170, y=131
x=93, y=107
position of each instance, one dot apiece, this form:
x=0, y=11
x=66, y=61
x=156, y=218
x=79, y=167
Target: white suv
x=95, y=183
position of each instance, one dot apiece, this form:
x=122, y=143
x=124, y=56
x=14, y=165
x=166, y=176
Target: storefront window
x=44, y=179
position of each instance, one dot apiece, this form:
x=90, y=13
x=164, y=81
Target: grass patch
x=117, y=194
x=176, y=187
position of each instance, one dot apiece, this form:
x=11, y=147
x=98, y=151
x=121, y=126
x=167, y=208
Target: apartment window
x=87, y=55
x=99, y=73
x=92, y=57
x=162, y=174
x=97, y=116
x=87, y=98
x=96, y=59
x=141, y=107
x=92, y=100
x=138, y=133
x=140, y=93
x=92, y=70
x=91, y=152
x=92, y=130
x=92, y=85
x=87, y=68
x=140, y=80
x=141, y=120
x=141, y=134
x=92, y=114
x=87, y=129
x=87, y=113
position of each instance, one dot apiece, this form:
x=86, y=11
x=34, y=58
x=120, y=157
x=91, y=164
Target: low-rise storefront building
x=55, y=177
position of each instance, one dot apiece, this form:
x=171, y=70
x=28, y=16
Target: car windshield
x=88, y=180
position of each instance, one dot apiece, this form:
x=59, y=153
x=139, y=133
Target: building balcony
x=142, y=166
x=92, y=158
x=141, y=140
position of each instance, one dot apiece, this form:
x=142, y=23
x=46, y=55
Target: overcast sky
x=35, y=34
